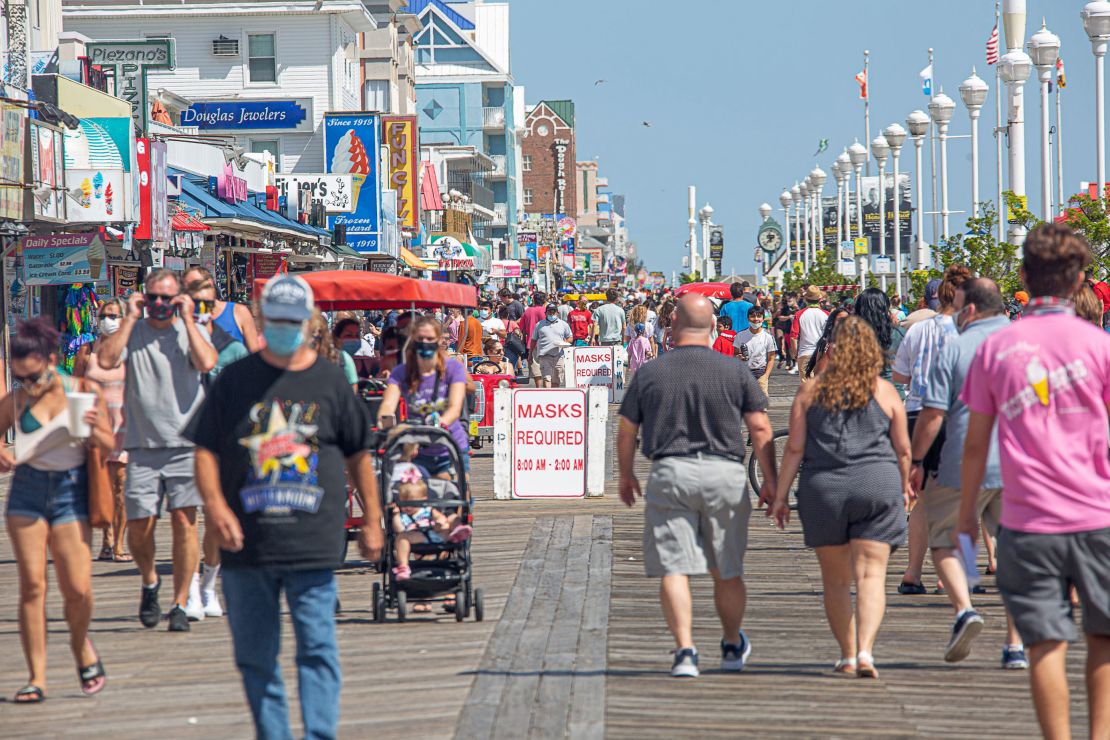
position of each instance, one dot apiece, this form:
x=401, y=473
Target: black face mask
x=426, y=350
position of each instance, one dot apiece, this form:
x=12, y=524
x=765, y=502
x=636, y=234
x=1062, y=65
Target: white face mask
x=108, y=325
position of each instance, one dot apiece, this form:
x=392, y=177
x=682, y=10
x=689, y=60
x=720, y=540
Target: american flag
x=992, y=46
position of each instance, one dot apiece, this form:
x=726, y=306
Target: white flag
x=927, y=80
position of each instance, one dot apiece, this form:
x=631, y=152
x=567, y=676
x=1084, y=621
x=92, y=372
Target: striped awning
x=413, y=261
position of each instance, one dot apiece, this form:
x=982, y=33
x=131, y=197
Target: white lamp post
x=785, y=198
x=807, y=222
x=895, y=137
x=858, y=154
x=704, y=215
x=835, y=170
x=1014, y=68
x=941, y=108
x=693, y=232
x=974, y=91
x=1096, y=22
x=881, y=150
x=817, y=179
x=1044, y=48
x=918, y=124
x=796, y=193
x=845, y=163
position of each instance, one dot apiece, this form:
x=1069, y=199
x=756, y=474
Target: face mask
x=160, y=311
x=483, y=315
x=108, y=325
x=350, y=346
x=552, y=316
x=283, y=339
x=37, y=387
x=426, y=350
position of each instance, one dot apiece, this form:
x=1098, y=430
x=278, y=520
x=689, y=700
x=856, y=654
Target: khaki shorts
x=942, y=511
x=551, y=368
x=696, y=512
x=803, y=362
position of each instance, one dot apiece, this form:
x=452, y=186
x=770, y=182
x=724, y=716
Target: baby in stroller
x=419, y=524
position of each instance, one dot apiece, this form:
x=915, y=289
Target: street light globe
x=1096, y=20
x=804, y=187
x=786, y=198
x=796, y=192
x=764, y=210
x=707, y=211
x=1015, y=67
x=835, y=169
x=895, y=136
x=857, y=152
x=974, y=91
x=818, y=178
x=941, y=108
x=845, y=162
x=918, y=123
x=1043, y=48
x=880, y=150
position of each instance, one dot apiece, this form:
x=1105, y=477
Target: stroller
x=439, y=570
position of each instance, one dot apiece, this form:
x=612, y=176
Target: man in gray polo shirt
x=690, y=406
x=610, y=320
x=549, y=338
x=980, y=313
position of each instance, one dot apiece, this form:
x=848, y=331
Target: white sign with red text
x=548, y=443
x=593, y=366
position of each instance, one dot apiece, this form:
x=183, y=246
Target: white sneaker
x=792, y=371
x=208, y=597
x=194, y=607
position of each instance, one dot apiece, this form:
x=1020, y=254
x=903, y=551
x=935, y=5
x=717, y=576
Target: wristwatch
x=917, y=463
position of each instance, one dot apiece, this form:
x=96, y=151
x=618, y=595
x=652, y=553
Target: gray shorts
x=1035, y=571
x=154, y=474
x=696, y=517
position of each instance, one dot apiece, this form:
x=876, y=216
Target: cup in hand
x=79, y=404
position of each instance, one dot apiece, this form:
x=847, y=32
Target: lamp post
x=880, y=150
x=835, y=170
x=817, y=179
x=895, y=137
x=857, y=153
x=845, y=163
x=1044, y=48
x=807, y=223
x=1014, y=68
x=785, y=198
x=974, y=91
x=693, y=232
x=940, y=109
x=918, y=125
x=796, y=194
x=1096, y=22
x=704, y=215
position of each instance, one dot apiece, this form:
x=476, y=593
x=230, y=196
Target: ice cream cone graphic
x=108, y=199
x=1038, y=378
x=96, y=258
x=86, y=193
x=97, y=183
x=349, y=158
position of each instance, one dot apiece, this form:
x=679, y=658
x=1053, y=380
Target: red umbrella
x=709, y=290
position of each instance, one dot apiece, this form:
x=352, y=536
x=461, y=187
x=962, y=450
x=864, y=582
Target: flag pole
x=933, y=143
x=867, y=107
x=1003, y=211
x=1061, y=203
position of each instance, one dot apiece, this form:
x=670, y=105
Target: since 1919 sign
x=549, y=443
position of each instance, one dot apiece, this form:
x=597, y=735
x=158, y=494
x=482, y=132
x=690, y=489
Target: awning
x=413, y=261
x=356, y=290
x=430, y=198
x=185, y=221
x=504, y=269
x=344, y=250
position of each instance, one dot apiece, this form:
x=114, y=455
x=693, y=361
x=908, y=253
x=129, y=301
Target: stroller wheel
x=377, y=603
x=478, y=606
x=402, y=606
x=460, y=605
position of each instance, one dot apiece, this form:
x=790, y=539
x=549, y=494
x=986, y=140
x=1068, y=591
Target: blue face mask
x=283, y=338
x=350, y=346
x=426, y=350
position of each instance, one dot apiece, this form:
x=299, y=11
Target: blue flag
x=927, y=81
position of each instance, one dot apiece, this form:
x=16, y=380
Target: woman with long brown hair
x=848, y=435
x=434, y=388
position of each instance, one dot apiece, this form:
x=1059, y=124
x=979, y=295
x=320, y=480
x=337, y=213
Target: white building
x=264, y=72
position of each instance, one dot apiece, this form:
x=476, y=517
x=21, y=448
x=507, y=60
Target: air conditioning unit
x=225, y=47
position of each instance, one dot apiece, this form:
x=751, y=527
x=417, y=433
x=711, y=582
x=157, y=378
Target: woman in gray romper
x=848, y=435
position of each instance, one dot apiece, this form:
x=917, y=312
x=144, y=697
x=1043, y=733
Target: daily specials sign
x=549, y=443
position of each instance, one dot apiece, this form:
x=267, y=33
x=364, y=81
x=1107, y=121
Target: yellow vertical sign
x=400, y=138
x=861, y=245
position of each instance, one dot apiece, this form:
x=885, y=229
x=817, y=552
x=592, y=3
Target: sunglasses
x=155, y=297
x=30, y=379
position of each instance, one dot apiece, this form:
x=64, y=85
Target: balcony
x=499, y=166
x=493, y=119
x=500, y=214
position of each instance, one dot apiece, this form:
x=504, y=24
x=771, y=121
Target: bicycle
x=755, y=475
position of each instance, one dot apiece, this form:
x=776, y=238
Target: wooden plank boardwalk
x=573, y=645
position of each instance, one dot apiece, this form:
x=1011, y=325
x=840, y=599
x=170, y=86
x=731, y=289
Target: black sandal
x=92, y=677
x=29, y=694
x=911, y=589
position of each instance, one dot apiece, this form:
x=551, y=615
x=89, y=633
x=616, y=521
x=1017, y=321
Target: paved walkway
x=573, y=645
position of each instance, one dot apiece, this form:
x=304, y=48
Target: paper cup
x=79, y=404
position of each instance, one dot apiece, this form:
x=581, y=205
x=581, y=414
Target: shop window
x=262, y=57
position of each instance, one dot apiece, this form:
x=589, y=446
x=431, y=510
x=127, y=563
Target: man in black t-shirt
x=690, y=407
x=515, y=307
x=272, y=441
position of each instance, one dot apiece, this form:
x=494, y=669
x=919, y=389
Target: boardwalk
x=573, y=645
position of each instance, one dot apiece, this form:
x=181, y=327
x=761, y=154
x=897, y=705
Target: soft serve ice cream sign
x=351, y=146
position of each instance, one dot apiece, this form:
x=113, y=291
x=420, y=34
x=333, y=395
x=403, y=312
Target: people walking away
x=470, y=334
x=549, y=338
x=110, y=383
x=1045, y=380
x=639, y=350
x=515, y=307
x=689, y=407
x=165, y=353
x=759, y=346
x=913, y=368
x=610, y=320
x=48, y=504
x=873, y=306
x=533, y=315
x=272, y=442
x=848, y=436
x=737, y=308
x=979, y=314
x=809, y=323
x=233, y=318
x=726, y=338
x=819, y=359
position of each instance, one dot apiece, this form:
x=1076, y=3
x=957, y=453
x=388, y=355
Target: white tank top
x=50, y=447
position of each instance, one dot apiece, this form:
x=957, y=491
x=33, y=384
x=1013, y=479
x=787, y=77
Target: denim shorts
x=437, y=464
x=57, y=496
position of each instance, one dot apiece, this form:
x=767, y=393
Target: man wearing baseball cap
x=272, y=441
x=549, y=337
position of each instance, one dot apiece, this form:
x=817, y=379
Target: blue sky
x=742, y=123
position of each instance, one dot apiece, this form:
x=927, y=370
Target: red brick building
x=548, y=163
